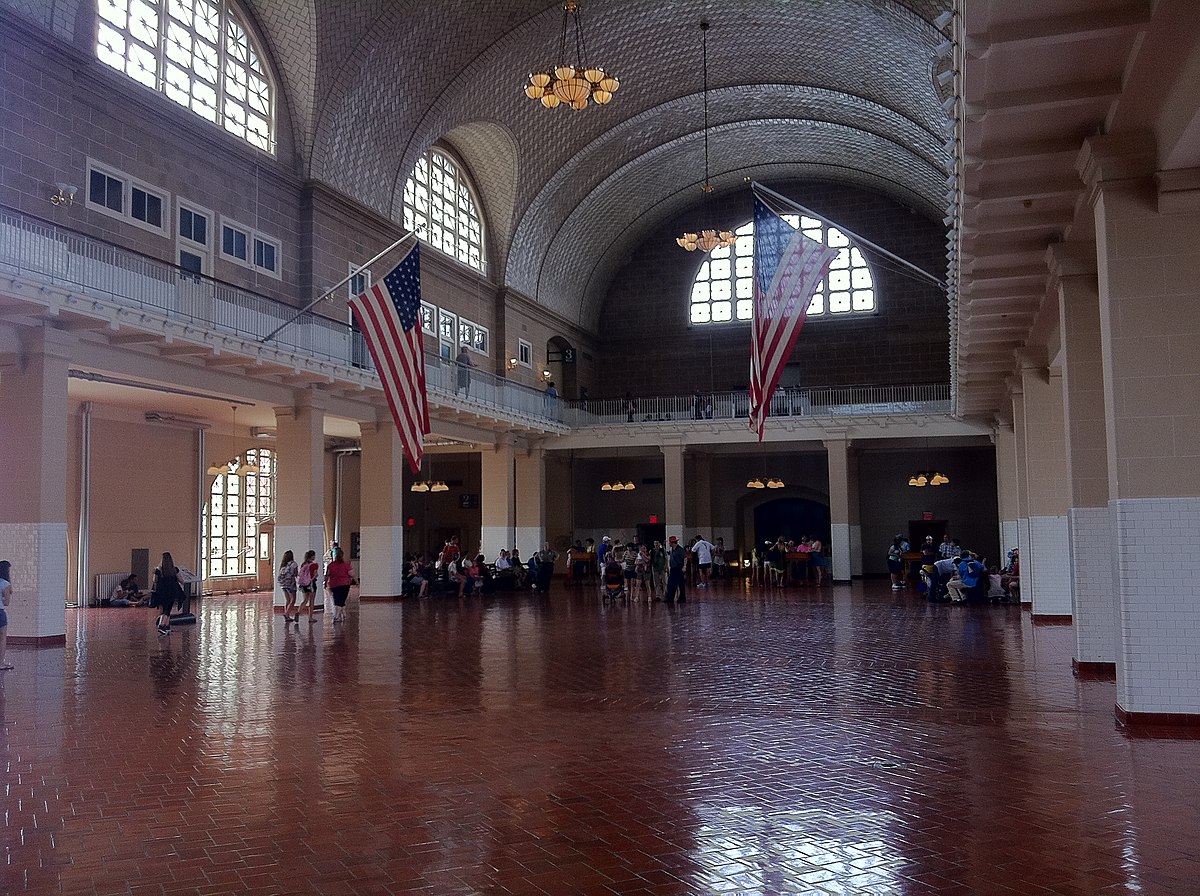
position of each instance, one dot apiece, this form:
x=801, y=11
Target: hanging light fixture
x=218, y=469
x=429, y=485
x=755, y=482
x=618, y=486
x=706, y=240
x=246, y=468
x=570, y=84
x=923, y=478
x=774, y=482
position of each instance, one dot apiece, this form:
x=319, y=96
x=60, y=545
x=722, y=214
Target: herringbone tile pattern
x=836, y=742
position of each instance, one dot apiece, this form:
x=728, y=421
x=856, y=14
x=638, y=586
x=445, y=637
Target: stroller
x=612, y=583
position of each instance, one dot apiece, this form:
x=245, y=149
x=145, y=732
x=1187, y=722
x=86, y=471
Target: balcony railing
x=841, y=401
x=44, y=252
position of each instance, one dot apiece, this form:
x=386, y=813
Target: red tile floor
x=841, y=741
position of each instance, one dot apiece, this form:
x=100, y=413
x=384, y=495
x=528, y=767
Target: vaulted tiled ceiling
x=826, y=89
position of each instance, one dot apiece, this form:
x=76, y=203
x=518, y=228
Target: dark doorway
x=648, y=533
x=918, y=529
x=791, y=518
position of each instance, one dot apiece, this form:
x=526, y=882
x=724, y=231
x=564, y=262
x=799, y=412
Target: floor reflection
x=841, y=741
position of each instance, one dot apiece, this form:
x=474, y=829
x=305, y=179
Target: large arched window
x=242, y=498
x=724, y=287
x=197, y=52
x=440, y=207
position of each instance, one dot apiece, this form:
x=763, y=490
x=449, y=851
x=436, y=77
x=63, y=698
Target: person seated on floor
x=965, y=586
x=126, y=593
x=1010, y=576
x=995, y=591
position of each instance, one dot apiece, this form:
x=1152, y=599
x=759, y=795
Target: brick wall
x=906, y=341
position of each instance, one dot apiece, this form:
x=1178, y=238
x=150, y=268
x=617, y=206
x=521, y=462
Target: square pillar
x=530, y=488
x=33, y=514
x=300, y=472
x=1005, y=440
x=380, y=566
x=498, y=499
x=674, y=490
x=841, y=516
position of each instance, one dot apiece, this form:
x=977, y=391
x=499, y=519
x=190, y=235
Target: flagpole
x=323, y=296
x=862, y=242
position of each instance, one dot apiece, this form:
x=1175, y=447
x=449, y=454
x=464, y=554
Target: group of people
x=301, y=579
x=784, y=561
x=948, y=572
x=455, y=571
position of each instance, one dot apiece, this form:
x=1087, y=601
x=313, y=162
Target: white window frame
x=525, y=353
x=432, y=329
x=419, y=204
x=252, y=236
x=128, y=184
x=203, y=250
x=355, y=273
x=474, y=330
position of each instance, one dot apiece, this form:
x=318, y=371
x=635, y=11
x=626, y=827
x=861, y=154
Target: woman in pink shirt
x=339, y=576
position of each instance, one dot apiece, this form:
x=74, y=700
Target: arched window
x=440, y=207
x=242, y=498
x=197, y=52
x=724, y=287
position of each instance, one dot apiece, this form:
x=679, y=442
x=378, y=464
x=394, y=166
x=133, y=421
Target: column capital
x=1071, y=260
x=1105, y=158
x=368, y=427
x=1178, y=190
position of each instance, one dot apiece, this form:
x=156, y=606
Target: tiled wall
x=1094, y=586
x=1045, y=567
x=37, y=552
x=1158, y=598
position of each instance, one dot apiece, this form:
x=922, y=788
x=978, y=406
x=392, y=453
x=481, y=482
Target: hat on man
x=606, y=538
x=673, y=539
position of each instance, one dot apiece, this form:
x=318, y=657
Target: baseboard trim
x=37, y=640
x=1093, y=671
x=1166, y=724
x=1051, y=619
x=380, y=598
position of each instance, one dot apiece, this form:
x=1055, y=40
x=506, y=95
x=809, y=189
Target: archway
x=791, y=518
x=561, y=358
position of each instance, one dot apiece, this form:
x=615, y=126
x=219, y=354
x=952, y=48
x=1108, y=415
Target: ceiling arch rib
x=582, y=256
x=387, y=109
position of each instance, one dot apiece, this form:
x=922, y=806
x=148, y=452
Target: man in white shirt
x=703, y=550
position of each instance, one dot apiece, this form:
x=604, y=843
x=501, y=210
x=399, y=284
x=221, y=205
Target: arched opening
x=238, y=521
x=791, y=518
x=561, y=358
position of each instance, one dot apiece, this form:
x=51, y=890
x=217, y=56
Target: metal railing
x=42, y=251
x=839, y=401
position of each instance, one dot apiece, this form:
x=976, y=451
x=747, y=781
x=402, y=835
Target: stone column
x=1022, y=486
x=380, y=565
x=674, y=490
x=1004, y=438
x=1045, y=573
x=1147, y=230
x=530, y=490
x=1089, y=524
x=300, y=473
x=33, y=513
x=498, y=499
x=841, y=515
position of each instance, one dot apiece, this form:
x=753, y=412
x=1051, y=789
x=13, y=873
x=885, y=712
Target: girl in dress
x=287, y=576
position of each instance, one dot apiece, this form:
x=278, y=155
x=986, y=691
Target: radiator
x=105, y=583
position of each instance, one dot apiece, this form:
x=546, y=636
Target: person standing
x=551, y=398
x=545, y=567
x=703, y=549
x=658, y=570
x=168, y=589
x=895, y=562
x=676, y=558
x=287, y=577
x=339, y=576
x=464, y=364
x=5, y=600
x=307, y=581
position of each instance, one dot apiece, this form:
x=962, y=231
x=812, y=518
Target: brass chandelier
x=706, y=240
x=570, y=84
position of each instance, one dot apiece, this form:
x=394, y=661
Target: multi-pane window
x=472, y=336
x=120, y=196
x=428, y=318
x=245, y=246
x=724, y=287
x=242, y=498
x=440, y=208
x=197, y=52
x=524, y=353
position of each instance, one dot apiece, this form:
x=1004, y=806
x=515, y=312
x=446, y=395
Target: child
x=306, y=580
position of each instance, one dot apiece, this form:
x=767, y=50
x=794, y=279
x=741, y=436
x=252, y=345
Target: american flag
x=788, y=268
x=389, y=314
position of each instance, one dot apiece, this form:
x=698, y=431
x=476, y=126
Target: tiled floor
x=846, y=741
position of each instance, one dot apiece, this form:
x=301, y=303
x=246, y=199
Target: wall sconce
x=512, y=363
x=64, y=194
x=545, y=374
